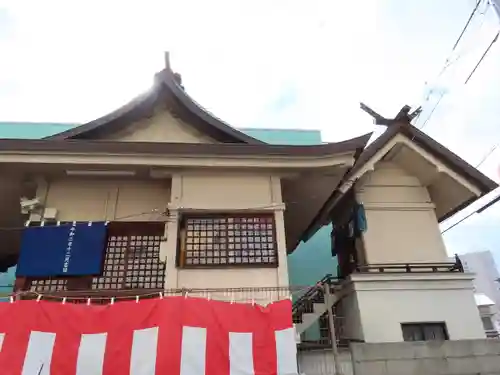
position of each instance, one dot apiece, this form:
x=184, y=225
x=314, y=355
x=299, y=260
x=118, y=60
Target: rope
x=231, y=293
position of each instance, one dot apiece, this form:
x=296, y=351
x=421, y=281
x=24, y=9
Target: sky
x=270, y=64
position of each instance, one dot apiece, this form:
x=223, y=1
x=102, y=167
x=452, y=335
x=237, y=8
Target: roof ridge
x=166, y=78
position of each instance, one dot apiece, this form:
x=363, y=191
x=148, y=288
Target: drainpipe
x=331, y=323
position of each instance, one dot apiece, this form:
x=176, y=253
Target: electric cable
x=448, y=63
x=482, y=58
x=487, y=155
x=69, y=222
x=228, y=294
x=480, y=210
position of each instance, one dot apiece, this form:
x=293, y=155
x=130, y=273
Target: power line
x=466, y=25
x=482, y=58
x=447, y=63
x=487, y=155
x=432, y=111
x=485, y=206
x=166, y=214
x=480, y=210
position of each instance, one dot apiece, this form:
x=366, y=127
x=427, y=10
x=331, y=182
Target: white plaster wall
x=227, y=192
x=386, y=301
x=402, y=224
x=161, y=127
x=94, y=199
x=348, y=309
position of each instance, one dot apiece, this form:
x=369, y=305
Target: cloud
x=284, y=63
x=286, y=98
x=6, y=24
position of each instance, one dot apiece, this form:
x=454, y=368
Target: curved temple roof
x=167, y=83
x=354, y=145
x=88, y=139
x=418, y=137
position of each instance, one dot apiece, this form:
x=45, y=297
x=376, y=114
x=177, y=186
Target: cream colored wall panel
x=161, y=127
x=386, y=172
x=223, y=278
x=137, y=201
x=226, y=191
x=402, y=223
x=79, y=199
x=394, y=194
x=386, y=301
x=403, y=236
x=82, y=199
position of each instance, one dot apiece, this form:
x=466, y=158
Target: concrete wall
x=320, y=362
x=402, y=224
x=465, y=357
x=482, y=264
x=377, y=304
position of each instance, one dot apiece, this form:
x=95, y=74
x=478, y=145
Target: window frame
x=421, y=326
x=182, y=236
x=489, y=326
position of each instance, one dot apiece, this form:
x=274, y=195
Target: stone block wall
x=462, y=357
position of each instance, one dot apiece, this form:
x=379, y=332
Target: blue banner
x=67, y=250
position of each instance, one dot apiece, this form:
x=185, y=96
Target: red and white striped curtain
x=173, y=335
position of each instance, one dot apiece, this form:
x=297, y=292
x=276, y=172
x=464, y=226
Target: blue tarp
x=66, y=250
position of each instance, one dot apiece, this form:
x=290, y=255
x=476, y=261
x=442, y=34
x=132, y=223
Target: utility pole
x=331, y=323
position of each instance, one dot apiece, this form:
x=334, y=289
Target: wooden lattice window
x=52, y=284
x=228, y=240
x=132, y=261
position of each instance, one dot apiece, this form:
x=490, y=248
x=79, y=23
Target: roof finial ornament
x=168, y=68
x=167, y=61
x=403, y=117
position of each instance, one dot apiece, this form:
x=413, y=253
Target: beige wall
x=249, y=191
x=84, y=198
x=161, y=127
x=230, y=191
x=384, y=301
x=93, y=199
x=402, y=224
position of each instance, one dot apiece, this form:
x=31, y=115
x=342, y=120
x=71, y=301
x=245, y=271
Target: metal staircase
x=309, y=308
